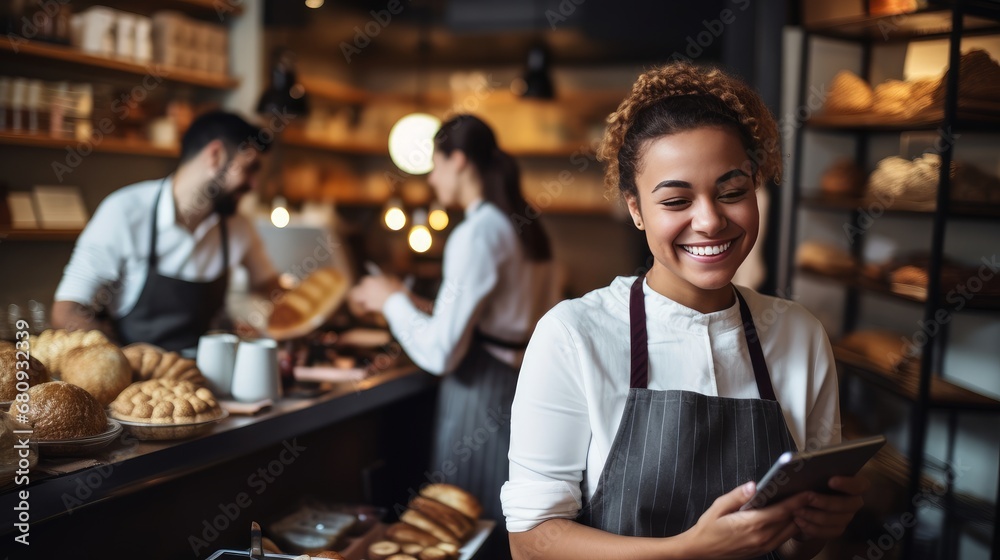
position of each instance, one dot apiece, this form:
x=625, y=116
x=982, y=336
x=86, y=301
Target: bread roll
x=848, y=94
x=433, y=553
x=406, y=533
x=61, y=410
x=9, y=361
x=450, y=517
x=449, y=548
x=413, y=549
x=454, y=497
x=299, y=311
x=421, y=521
x=101, y=369
x=164, y=401
x=330, y=554
x=152, y=362
x=382, y=549
x=401, y=557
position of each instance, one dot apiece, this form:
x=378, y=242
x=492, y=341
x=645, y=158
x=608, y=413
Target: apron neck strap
x=640, y=350
x=640, y=346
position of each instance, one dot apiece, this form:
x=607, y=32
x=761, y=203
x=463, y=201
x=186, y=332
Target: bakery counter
x=61, y=487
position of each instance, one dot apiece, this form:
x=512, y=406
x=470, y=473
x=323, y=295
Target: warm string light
x=279, y=212
x=394, y=217
x=419, y=237
x=438, y=218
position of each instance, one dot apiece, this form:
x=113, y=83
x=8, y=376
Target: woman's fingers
x=731, y=501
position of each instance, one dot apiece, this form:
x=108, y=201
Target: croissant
x=153, y=362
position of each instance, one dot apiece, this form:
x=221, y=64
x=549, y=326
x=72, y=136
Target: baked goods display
x=978, y=80
x=848, y=94
x=165, y=401
x=152, y=362
x=843, y=179
x=36, y=372
x=304, y=308
x=436, y=524
x=63, y=411
x=825, y=259
x=887, y=351
x=86, y=359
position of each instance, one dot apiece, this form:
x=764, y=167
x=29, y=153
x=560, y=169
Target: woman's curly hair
x=679, y=97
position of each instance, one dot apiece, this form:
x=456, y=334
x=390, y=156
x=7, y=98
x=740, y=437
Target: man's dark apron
x=173, y=313
x=677, y=451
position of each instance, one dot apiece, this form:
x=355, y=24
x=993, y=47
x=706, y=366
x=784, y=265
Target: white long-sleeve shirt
x=487, y=282
x=574, y=381
x=113, y=249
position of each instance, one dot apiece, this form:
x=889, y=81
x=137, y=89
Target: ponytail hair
x=501, y=178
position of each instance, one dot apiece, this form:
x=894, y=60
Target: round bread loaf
x=165, y=401
x=101, y=369
x=849, y=93
x=9, y=362
x=52, y=345
x=406, y=533
x=61, y=410
x=423, y=522
x=152, y=362
x=451, y=518
x=451, y=495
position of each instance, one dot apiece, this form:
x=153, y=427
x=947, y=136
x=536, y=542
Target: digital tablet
x=811, y=470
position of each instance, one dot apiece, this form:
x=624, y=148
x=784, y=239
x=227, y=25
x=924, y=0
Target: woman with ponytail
x=497, y=282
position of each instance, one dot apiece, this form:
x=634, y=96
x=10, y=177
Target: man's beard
x=224, y=203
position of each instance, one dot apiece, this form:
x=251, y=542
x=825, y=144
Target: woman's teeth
x=707, y=250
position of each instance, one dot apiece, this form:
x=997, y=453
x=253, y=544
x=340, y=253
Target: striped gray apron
x=677, y=451
x=472, y=425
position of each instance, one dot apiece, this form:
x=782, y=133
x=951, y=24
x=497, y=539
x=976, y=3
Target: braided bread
x=152, y=362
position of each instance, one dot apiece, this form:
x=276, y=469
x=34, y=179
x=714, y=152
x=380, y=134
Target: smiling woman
x=652, y=447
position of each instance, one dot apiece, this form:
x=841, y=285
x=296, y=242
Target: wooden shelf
x=972, y=210
x=928, y=23
x=978, y=117
x=206, y=9
x=943, y=393
x=39, y=234
x=71, y=56
x=107, y=145
x=981, y=302
x=300, y=139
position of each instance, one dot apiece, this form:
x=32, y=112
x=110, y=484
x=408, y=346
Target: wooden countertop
x=128, y=465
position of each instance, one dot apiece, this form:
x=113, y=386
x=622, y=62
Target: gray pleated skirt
x=472, y=428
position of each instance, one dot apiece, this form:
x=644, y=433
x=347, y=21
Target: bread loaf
x=164, y=401
x=301, y=310
x=413, y=549
x=451, y=495
x=101, y=369
x=433, y=553
x=10, y=364
x=425, y=523
x=406, y=533
x=460, y=525
x=50, y=346
x=152, y=362
x=61, y=410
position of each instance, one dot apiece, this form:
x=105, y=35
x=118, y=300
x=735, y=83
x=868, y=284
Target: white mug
x=256, y=375
x=216, y=360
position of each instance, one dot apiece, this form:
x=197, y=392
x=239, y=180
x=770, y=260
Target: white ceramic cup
x=216, y=360
x=256, y=375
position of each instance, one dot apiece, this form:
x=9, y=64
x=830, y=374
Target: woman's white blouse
x=575, y=379
x=486, y=282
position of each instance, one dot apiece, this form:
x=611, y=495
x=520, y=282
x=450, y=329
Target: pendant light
x=394, y=216
x=279, y=212
x=411, y=140
x=438, y=217
x=419, y=237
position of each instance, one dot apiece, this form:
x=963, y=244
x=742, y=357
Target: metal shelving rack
x=953, y=20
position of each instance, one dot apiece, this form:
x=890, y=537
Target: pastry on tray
x=304, y=308
x=165, y=401
x=848, y=94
